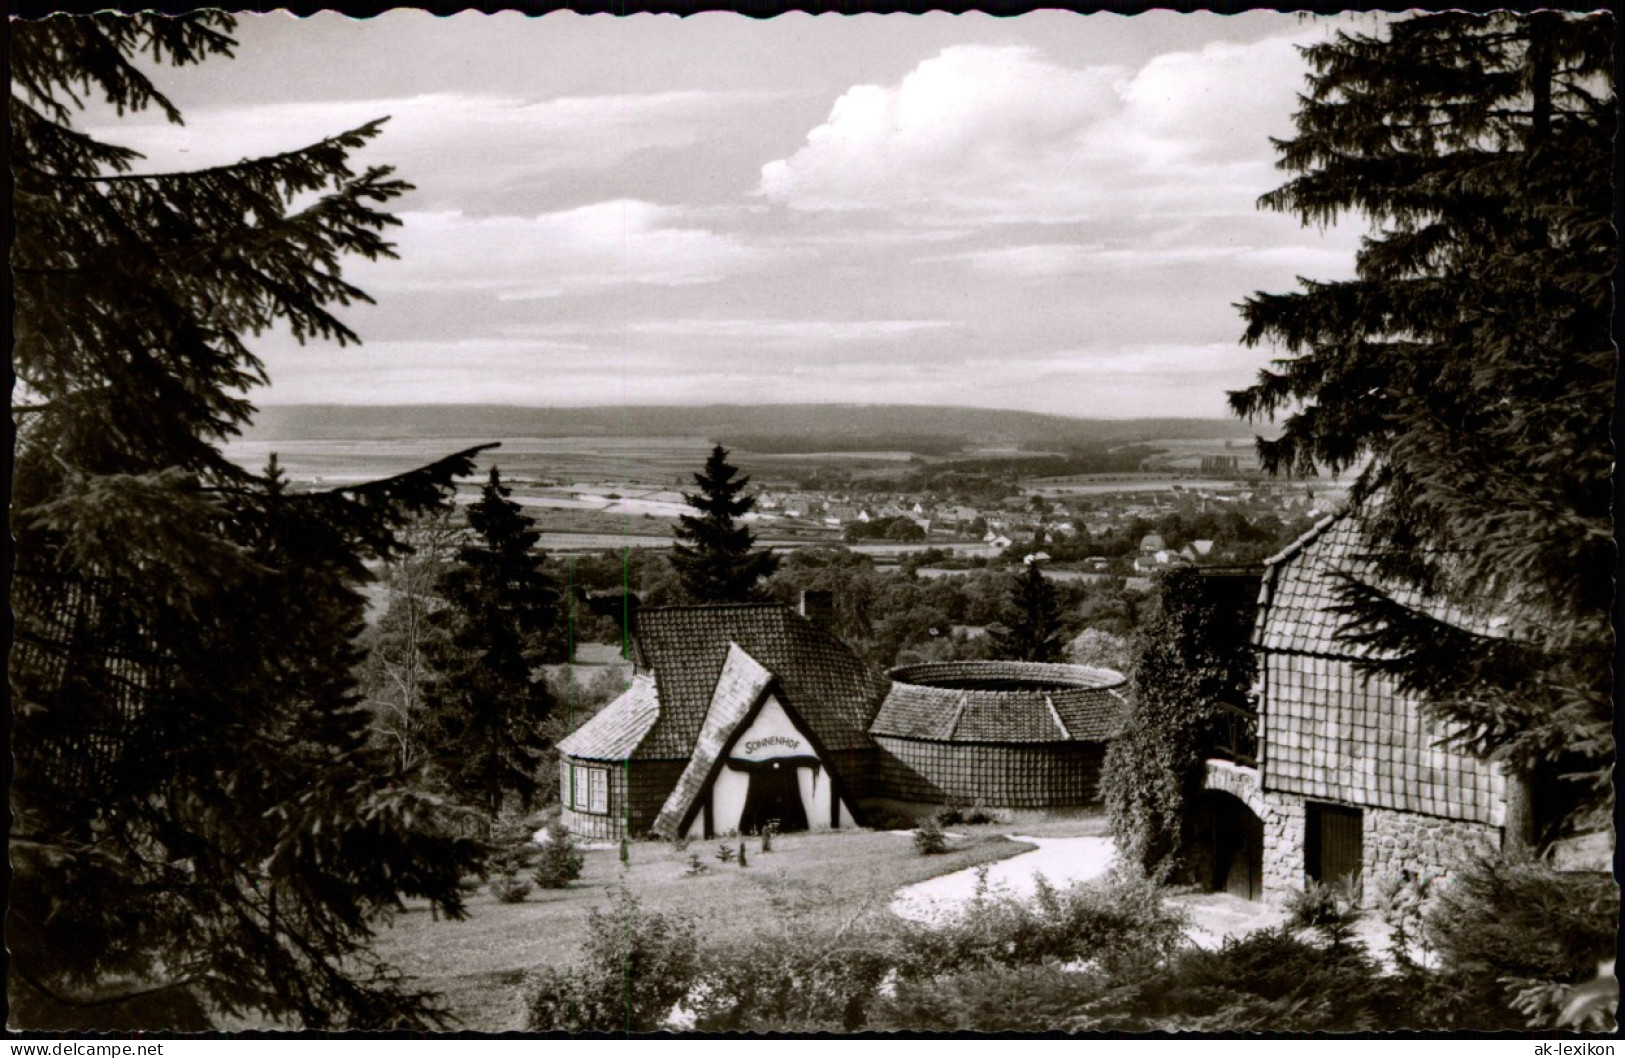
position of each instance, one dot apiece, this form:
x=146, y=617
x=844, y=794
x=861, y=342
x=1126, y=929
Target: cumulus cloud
x=573, y=251
x=1003, y=134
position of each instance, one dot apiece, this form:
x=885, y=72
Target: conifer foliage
x=1029, y=627
x=201, y=826
x=1471, y=357
x=486, y=710
x=713, y=555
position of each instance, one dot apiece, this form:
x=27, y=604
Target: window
x=589, y=789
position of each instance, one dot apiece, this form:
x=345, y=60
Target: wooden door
x=1335, y=847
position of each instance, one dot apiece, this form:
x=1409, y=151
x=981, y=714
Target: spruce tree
x=1471, y=359
x=1029, y=627
x=714, y=557
x=201, y=826
x=485, y=706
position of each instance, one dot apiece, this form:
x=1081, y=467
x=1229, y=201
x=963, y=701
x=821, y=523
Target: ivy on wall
x=1192, y=657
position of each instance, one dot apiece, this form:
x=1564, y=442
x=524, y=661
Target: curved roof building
x=1005, y=734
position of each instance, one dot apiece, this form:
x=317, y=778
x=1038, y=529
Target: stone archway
x=1227, y=832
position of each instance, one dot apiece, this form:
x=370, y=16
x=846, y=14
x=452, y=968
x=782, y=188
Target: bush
x=509, y=850
x=1120, y=925
x=558, y=863
x=929, y=837
x=1271, y=981
x=635, y=966
x=1026, y=999
x=508, y=889
x=1523, y=936
x=959, y=816
x=804, y=976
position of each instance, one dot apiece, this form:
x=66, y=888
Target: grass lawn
x=478, y=964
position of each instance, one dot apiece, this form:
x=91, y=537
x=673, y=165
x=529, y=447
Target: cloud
x=573, y=251
x=817, y=332
x=1005, y=134
x=460, y=150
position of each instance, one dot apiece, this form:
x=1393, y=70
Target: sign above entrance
x=770, y=736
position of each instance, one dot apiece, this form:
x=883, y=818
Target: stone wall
x=1391, y=841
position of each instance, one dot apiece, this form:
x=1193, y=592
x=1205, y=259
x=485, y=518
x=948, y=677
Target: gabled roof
x=1327, y=730
x=738, y=690
x=1296, y=601
x=617, y=729
x=686, y=648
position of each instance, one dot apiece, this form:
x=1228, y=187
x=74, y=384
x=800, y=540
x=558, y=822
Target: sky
x=1052, y=212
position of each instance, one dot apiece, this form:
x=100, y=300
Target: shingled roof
x=738, y=689
x=1328, y=731
x=616, y=730
x=685, y=648
x=985, y=701
x=1300, y=589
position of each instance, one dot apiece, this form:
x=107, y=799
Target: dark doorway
x=1334, y=845
x=1230, y=846
x=774, y=797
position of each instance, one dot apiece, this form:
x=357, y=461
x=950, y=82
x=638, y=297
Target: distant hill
x=724, y=423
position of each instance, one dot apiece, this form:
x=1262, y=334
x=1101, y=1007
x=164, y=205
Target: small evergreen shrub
x=696, y=866
x=509, y=850
x=1523, y=936
x=508, y=889
x=929, y=837
x=725, y=853
x=558, y=863
x=1025, y=999
x=635, y=966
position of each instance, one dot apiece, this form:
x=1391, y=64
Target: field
x=479, y=964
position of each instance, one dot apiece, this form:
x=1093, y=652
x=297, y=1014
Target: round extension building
x=1004, y=734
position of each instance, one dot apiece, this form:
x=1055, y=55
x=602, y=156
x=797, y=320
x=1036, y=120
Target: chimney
x=818, y=607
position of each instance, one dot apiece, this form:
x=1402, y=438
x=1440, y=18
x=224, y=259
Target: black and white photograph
x=581, y=525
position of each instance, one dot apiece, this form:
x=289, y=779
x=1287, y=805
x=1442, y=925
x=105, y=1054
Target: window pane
x=598, y=799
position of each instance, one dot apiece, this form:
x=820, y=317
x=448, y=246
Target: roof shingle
x=686, y=647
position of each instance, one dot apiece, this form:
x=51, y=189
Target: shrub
x=558, y=863
x=1026, y=999
x=807, y=975
x=1120, y=925
x=508, y=889
x=635, y=966
x=696, y=866
x=1270, y=980
x=1329, y=910
x=725, y=853
x=929, y=837
x=509, y=850
x=1523, y=936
